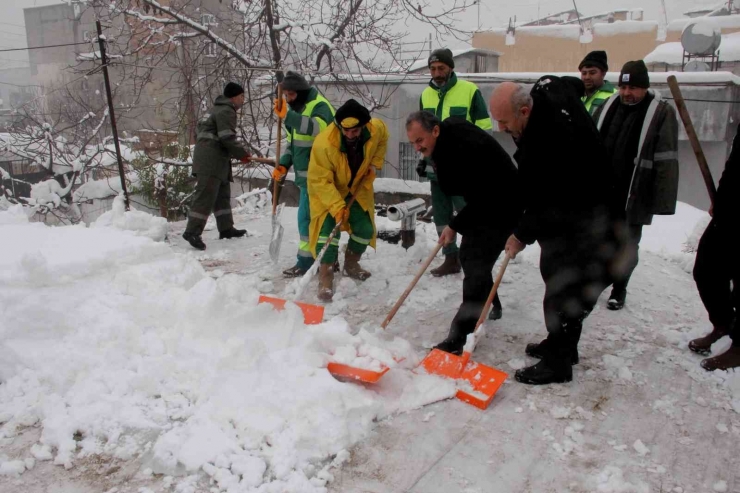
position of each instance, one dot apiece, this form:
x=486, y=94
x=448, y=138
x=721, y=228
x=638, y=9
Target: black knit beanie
x=352, y=115
x=595, y=59
x=634, y=73
x=293, y=81
x=443, y=55
x=233, y=89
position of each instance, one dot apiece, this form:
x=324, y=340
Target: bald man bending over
x=565, y=186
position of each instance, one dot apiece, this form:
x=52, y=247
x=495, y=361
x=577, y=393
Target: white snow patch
x=14, y=215
x=137, y=222
x=640, y=448
x=625, y=27
x=720, y=486
x=516, y=363
x=611, y=480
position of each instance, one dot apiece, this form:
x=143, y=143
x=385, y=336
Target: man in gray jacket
x=640, y=132
x=214, y=149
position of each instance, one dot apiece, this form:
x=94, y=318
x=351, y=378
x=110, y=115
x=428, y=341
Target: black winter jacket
x=470, y=163
x=727, y=200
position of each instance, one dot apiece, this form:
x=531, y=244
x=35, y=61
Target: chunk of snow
x=516, y=363
x=720, y=486
x=137, y=222
x=611, y=480
x=12, y=468
x=640, y=448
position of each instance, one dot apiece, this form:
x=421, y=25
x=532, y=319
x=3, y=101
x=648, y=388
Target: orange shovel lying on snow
x=347, y=372
x=484, y=381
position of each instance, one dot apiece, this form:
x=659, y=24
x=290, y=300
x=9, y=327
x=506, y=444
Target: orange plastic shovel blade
x=346, y=372
x=484, y=380
x=312, y=314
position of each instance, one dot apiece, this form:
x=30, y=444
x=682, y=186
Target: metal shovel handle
x=406, y=293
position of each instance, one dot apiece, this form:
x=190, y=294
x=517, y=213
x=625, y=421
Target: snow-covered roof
x=624, y=27
x=672, y=53
x=722, y=21
x=422, y=62
x=687, y=78
x=566, y=31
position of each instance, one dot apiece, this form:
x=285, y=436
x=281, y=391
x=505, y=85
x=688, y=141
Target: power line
x=14, y=25
x=48, y=46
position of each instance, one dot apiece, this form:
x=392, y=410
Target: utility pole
x=111, y=113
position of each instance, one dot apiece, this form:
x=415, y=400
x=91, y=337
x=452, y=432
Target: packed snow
x=672, y=53
x=134, y=365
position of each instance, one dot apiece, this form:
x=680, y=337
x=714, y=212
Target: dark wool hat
x=233, y=89
x=294, y=81
x=595, y=59
x=443, y=55
x=352, y=115
x=634, y=74
x=576, y=84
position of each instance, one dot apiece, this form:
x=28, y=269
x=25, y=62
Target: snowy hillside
x=132, y=365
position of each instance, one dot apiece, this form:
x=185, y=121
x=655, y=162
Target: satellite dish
x=697, y=66
x=701, y=38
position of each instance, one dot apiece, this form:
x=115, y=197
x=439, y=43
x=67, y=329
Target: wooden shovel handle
x=277, y=151
x=265, y=160
x=406, y=293
x=496, y=284
x=691, y=132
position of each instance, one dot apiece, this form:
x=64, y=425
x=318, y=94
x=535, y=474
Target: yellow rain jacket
x=329, y=175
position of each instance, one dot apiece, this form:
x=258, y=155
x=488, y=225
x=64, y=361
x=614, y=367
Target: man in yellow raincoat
x=344, y=160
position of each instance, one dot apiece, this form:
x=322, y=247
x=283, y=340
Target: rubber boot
x=231, y=233
x=497, y=310
x=725, y=361
x=539, y=349
x=326, y=282
x=546, y=371
x=195, y=240
x=703, y=345
x=617, y=299
x=352, y=266
x=451, y=265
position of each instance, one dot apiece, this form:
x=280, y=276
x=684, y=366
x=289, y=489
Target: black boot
x=546, y=371
x=617, y=299
x=539, y=350
x=497, y=311
x=194, y=240
x=231, y=233
x=453, y=345
x=295, y=271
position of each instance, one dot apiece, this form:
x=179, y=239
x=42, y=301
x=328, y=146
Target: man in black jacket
x=566, y=191
x=718, y=264
x=491, y=205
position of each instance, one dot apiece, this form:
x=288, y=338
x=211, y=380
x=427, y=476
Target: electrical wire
x=48, y=46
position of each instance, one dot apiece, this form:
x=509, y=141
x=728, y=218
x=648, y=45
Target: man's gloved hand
x=421, y=168
x=246, y=159
x=343, y=216
x=369, y=175
x=279, y=172
x=280, y=108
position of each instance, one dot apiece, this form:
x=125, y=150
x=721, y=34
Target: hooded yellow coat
x=329, y=175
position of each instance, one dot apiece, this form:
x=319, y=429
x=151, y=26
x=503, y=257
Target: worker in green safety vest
x=306, y=114
x=447, y=96
x=593, y=68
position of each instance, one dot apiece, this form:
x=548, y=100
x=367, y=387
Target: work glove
x=280, y=108
x=343, y=216
x=421, y=168
x=279, y=172
x=246, y=159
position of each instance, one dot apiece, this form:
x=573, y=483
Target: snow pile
x=676, y=237
x=611, y=480
x=48, y=192
x=721, y=21
x=121, y=348
x=14, y=215
x=137, y=222
x=253, y=201
x=102, y=189
x=672, y=53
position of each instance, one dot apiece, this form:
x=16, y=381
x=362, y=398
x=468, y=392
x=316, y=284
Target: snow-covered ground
x=131, y=365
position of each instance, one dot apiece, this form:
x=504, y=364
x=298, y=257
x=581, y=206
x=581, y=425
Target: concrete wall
x=715, y=124
x=559, y=48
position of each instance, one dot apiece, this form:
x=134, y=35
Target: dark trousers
x=631, y=234
x=717, y=276
x=478, y=254
x=211, y=196
x=575, y=269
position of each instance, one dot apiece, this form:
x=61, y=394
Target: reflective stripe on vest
x=460, y=96
x=295, y=136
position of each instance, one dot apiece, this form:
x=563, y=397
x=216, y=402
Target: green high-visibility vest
x=457, y=101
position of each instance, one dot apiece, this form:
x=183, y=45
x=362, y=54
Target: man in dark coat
x=565, y=190
x=491, y=205
x=718, y=264
x=214, y=149
x=640, y=132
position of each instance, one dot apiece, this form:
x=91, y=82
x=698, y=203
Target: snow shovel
x=483, y=380
x=312, y=314
x=346, y=372
x=277, y=211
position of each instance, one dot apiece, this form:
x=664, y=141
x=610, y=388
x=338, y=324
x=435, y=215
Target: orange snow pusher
x=312, y=314
x=351, y=373
x=481, y=381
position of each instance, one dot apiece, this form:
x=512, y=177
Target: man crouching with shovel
x=492, y=205
x=344, y=160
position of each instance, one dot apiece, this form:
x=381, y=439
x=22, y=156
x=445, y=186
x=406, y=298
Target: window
x=210, y=50
x=481, y=64
x=407, y=161
x=208, y=20
x=86, y=36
